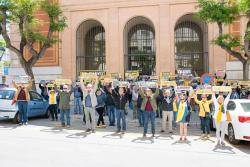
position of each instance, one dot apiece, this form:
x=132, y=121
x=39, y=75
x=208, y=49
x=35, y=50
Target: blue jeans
x=205, y=125
x=141, y=117
x=149, y=115
x=23, y=113
x=121, y=117
x=67, y=113
x=111, y=114
x=77, y=105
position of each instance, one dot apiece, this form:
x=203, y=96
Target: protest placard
x=59, y=82
x=164, y=83
x=222, y=88
x=132, y=74
x=165, y=76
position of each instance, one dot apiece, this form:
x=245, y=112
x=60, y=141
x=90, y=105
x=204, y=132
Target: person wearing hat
x=182, y=115
x=167, y=110
x=53, y=104
x=22, y=97
x=204, y=113
x=149, y=107
x=220, y=117
x=90, y=102
x=64, y=104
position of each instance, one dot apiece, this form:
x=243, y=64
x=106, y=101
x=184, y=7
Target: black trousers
x=100, y=111
x=53, y=111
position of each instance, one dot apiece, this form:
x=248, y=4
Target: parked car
x=37, y=106
x=239, y=127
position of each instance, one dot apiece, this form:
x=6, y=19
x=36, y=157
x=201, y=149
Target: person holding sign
x=182, y=115
x=22, y=97
x=204, y=113
x=90, y=102
x=149, y=106
x=167, y=110
x=53, y=103
x=220, y=117
x=121, y=98
x=64, y=104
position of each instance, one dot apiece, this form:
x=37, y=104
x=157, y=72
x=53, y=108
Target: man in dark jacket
x=110, y=104
x=121, y=98
x=167, y=110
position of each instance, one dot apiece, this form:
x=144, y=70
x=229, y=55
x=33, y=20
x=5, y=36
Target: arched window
x=189, y=47
x=140, y=46
x=90, y=47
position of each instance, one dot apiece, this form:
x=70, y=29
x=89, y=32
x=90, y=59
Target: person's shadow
x=223, y=149
x=164, y=137
x=79, y=135
x=204, y=139
x=144, y=140
x=114, y=136
x=180, y=142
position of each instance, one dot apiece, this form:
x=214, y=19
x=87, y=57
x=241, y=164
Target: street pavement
x=44, y=143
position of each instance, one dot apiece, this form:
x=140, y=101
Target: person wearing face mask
x=22, y=97
x=167, y=110
x=149, y=107
x=121, y=99
x=220, y=117
x=182, y=114
x=90, y=102
x=205, y=114
x=64, y=104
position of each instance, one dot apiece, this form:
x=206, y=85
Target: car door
x=36, y=104
x=231, y=109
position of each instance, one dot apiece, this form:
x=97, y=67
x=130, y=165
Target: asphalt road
x=45, y=144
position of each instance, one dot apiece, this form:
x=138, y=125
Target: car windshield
x=246, y=106
x=7, y=94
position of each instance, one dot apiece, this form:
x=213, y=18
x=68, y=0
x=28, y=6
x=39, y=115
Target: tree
x=224, y=12
x=22, y=13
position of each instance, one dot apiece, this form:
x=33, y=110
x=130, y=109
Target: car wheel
x=16, y=118
x=47, y=114
x=231, y=135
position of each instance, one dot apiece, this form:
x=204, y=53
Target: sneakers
x=144, y=135
x=88, y=130
x=20, y=124
x=26, y=123
x=223, y=144
x=68, y=126
x=93, y=131
x=162, y=131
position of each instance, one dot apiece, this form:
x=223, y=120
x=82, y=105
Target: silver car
x=37, y=106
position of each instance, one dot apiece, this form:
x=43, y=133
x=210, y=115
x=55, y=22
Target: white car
x=239, y=127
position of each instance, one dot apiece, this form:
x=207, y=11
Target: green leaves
x=228, y=40
x=217, y=11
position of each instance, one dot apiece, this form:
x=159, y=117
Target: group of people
x=175, y=107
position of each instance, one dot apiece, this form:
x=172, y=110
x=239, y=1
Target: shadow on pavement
x=223, y=149
x=180, y=142
x=79, y=135
x=144, y=140
x=114, y=136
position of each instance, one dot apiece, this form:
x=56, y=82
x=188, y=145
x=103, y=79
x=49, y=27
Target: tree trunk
x=28, y=70
x=246, y=70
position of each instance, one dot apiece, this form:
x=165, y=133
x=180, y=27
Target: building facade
x=151, y=36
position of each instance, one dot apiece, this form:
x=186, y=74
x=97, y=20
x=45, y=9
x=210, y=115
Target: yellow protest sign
x=165, y=76
x=222, y=88
x=115, y=75
x=164, y=83
x=63, y=82
x=132, y=74
x=244, y=83
x=204, y=91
